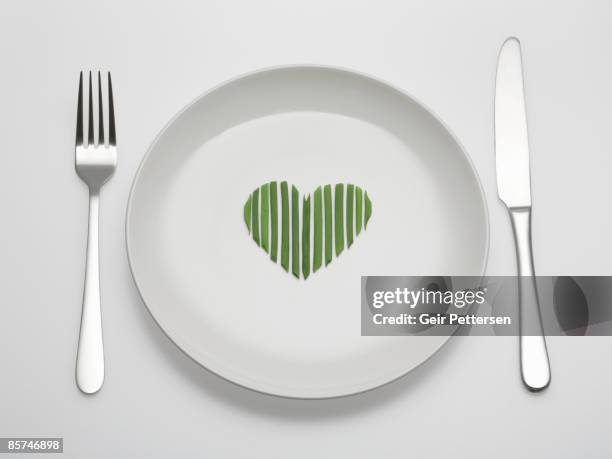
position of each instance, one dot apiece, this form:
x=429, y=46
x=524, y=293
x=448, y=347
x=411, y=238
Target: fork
x=95, y=163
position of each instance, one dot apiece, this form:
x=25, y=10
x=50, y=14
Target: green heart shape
x=330, y=217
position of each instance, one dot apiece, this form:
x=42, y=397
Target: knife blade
x=514, y=189
x=511, y=143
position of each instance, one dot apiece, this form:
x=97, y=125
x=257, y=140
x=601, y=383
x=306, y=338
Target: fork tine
x=100, y=112
x=90, y=131
x=112, y=139
x=79, y=126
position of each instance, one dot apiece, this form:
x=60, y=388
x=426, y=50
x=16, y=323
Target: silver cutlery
x=95, y=162
x=514, y=189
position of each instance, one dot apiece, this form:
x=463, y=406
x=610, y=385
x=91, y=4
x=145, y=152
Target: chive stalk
x=285, y=226
x=306, y=237
x=318, y=230
x=255, y=216
x=327, y=196
x=273, y=222
x=265, y=216
x=339, y=218
x=358, y=209
x=350, y=189
x=295, y=231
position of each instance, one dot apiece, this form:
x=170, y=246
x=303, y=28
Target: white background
x=158, y=403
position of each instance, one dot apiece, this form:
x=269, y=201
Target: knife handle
x=535, y=367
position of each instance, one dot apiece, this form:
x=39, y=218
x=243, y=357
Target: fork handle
x=535, y=367
x=90, y=353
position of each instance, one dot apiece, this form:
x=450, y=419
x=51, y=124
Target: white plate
x=220, y=298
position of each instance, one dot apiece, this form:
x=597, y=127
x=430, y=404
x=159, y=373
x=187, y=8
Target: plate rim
x=269, y=69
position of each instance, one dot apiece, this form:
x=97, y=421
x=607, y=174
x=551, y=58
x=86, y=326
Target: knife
x=514, y=189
